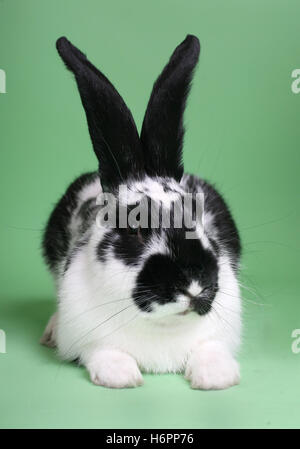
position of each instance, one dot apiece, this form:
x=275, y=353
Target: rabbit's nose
x=190, y=296
x=194, y=289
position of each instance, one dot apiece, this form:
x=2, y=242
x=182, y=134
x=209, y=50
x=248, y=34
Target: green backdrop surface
x=243, y=134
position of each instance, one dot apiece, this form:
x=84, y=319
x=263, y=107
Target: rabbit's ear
x=112, y=129
x=162, y=130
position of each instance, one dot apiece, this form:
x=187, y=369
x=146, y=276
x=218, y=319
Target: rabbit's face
x=173, y=273
x=182, y=278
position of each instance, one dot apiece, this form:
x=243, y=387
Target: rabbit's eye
x=133, y=230
x=136, y=231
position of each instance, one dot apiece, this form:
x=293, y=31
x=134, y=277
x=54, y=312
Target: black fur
x=162, y=130
x=122, y=245
x=120, y=152
x=228, y=235
x=163, y=277
x=111, y=126
x=56, y=239
x=125, y=245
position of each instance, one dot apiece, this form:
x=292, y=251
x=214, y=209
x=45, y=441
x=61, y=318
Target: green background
x=243, y=134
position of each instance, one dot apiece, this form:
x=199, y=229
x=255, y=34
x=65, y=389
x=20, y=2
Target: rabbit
x=135, y=300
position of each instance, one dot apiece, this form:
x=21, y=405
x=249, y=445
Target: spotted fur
x=146, y=298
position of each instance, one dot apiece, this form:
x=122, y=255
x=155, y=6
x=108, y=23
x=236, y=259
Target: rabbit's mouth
x=185, y=312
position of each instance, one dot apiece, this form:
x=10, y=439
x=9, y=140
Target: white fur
x=194, y=288
x=154, y=189
x=114, y=369
x=98, y=323
x=212, y=367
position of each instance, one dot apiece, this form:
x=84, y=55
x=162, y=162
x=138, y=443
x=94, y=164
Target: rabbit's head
x=174, y=272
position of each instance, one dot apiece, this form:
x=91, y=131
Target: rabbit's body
x=148, y=300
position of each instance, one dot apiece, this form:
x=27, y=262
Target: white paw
x=212, y=367
x=48, y=337
x=114, y=369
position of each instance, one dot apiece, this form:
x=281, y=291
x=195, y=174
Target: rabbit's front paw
x=114, y=369
x=212, y=367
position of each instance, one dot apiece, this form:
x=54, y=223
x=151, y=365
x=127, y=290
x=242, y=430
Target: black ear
x=162, y=130
x=111, y=126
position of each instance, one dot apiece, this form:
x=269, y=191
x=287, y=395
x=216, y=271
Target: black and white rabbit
x=133, y=300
